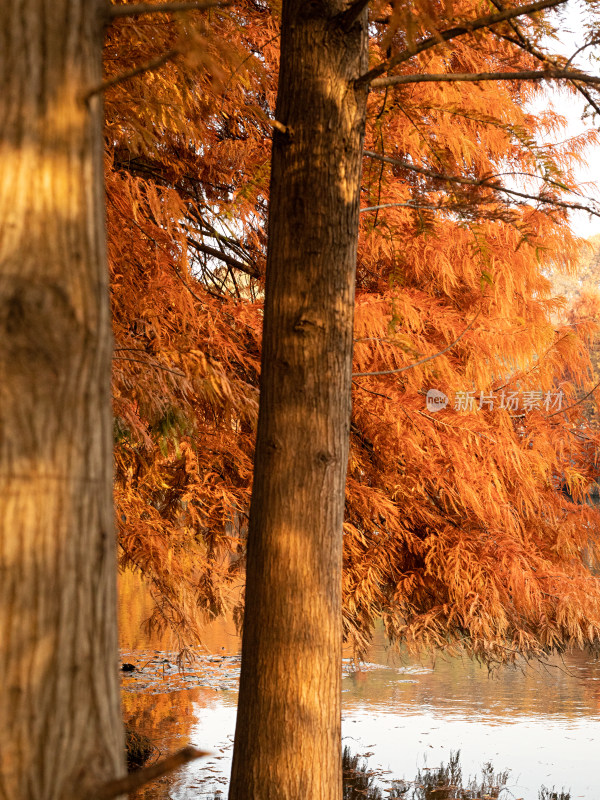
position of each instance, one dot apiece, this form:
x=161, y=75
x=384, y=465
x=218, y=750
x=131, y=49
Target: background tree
x=185, y=316
x=441, y=249
x=458, y=531
x=59, y=698
x=292, y=633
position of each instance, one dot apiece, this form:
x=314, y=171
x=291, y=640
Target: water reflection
x=168, y=720
x=565, y=689
x=135, y=608
x=543, y=722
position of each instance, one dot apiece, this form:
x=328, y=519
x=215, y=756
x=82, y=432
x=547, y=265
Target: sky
x=573, y=36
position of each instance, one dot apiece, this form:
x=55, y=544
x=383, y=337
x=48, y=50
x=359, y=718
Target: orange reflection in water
x=135, y=608
x=167, y=720
x=541, y=721
x=166, y=717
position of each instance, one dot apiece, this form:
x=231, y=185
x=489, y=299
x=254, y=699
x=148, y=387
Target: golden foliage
x=462, y=529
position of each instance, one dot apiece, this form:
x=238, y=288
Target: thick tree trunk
x=288, y=741
x=59, y=695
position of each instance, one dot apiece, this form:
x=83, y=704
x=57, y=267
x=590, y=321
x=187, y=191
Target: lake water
x=542, y=723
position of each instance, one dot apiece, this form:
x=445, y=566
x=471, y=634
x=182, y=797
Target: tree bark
x=59, y=695
x=288, y=739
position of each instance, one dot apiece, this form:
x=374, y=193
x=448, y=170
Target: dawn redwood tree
x=449, y=248
x=440, y=242
x=187, y=173
x=287, y=740
x=62, y=731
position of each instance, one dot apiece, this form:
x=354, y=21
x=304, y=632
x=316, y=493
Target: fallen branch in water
x=143, y=776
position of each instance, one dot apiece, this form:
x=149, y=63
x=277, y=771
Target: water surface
x=542, y=722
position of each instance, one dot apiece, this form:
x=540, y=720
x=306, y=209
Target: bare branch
x=229, y=260
x=592, y=43
x=141, y=777
x=452, y=33
x=131, y=220
x=377, y=394
x=427, y=206
x=522, y=41
x=155, y=63
x=453, y=77
x=485, y=183
x=422, y=360
x=136, y=9
x=578, y=402
x=154, y=364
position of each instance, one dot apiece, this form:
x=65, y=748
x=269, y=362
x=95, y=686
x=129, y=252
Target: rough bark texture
x=288, y=741
x=59, y=702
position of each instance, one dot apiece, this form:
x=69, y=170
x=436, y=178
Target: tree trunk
x=59, y=694
x=288, y=740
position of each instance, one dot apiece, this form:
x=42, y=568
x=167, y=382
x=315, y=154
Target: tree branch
x=131, y=220
x=422, y=360
x=154, y=364
x=481, y=182
x=136, y=9
x=453, y=77
x=426, y=206
x=155, y=63
x=521, y=40
x=460, y=30
x=141, y=777
x=591, y=43
x=229, y=260
x=578, y=402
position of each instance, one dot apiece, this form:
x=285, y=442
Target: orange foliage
x=461, y=528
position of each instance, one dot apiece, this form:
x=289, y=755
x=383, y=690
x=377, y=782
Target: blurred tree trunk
x=59, y=693
x=288, y=740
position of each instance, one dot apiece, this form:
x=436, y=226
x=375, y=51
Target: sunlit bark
x=59, y=701
x=288, y=741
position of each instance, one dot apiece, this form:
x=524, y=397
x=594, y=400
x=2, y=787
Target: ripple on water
x=543, y=723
